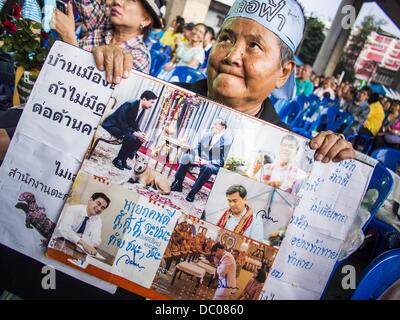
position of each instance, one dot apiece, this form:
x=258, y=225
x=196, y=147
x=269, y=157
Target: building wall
x=380, y=60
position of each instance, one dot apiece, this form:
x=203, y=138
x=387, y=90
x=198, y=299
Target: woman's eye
x=255, y=45
x=224, y=39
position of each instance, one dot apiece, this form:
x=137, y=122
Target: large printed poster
x=173, y=196
x=202, y=201
x=52, y=136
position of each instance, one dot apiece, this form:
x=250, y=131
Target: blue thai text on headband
x=283, y=17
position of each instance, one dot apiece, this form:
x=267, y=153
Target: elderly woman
x=129, y=22
x=253, y=55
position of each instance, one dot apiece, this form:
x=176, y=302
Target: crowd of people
x=374, y=115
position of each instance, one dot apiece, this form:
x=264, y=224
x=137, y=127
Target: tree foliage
x=313, y=39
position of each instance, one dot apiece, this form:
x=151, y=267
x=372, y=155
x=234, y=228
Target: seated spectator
x=376, y=115
x=326, y=90
x=156, y=34
x=190, y=54
x=359, y=109
x=187, y=33
x=392, y=115
x=390, y=136
x=343, y=91
x=303, y=83
x=173, y=33
x=130, y=24
x=209, y=40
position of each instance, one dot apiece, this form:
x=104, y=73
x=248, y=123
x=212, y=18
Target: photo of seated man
x=81, y=224
x=284, y=172
x=239, y=217
x=124, y=124
x=209, y=156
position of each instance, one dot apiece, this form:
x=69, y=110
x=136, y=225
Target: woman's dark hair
x=374, y=97
x=261, y=276
x=211, y=31
x=180, y=24
x=146, y=31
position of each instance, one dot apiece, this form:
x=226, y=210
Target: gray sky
x=326, y=10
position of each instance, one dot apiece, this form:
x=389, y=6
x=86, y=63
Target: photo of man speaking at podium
x=210, y=155
x=124, y=124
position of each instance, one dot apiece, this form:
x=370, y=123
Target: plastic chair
x=301, y=100
x=186, y=74
x=362, y=140
x=157, y=46
x=389, y=157
x=327, y=102
x=335, y=120
x=289, y=112
x=158, y=60
x=382, y=273
x=313, y=101
x=307, y=117
x=381, y=181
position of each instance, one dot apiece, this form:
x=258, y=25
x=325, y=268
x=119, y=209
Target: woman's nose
x=234, y=55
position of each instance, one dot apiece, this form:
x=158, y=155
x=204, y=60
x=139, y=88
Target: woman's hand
x=64, y=24
x=331, y=147
x=116, y=61
x=169, y=66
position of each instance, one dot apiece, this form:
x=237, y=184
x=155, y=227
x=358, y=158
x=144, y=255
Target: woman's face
x=244, y=65
x=198, y=34
x=129, y=14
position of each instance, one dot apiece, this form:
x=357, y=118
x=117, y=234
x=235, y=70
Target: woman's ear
x=146, y=21
x=286, y=71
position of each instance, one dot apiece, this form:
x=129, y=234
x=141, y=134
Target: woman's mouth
x=115, y=12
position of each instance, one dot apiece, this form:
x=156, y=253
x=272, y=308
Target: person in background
x=316, y=81
x=326, y=90
x=254, y=287
x=376, y=116
x=131, y=22
x=359, y=109
x=209, y=40
x=173, y=33
x=303, y=83
x=390, y=135
x=187, y=33
x=156, y=34
x=190, y=54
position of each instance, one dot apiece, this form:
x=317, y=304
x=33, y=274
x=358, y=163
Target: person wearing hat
x=252, y=57
x=129, y=23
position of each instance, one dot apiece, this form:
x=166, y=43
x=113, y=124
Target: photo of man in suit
x=124, y=124
x=210, y=155
x=81, y=224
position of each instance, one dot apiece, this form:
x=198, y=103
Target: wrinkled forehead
x=284, y=18
x=244, y=27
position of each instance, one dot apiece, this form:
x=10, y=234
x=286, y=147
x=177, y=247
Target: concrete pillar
x=335, y=42
x=191, y=10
